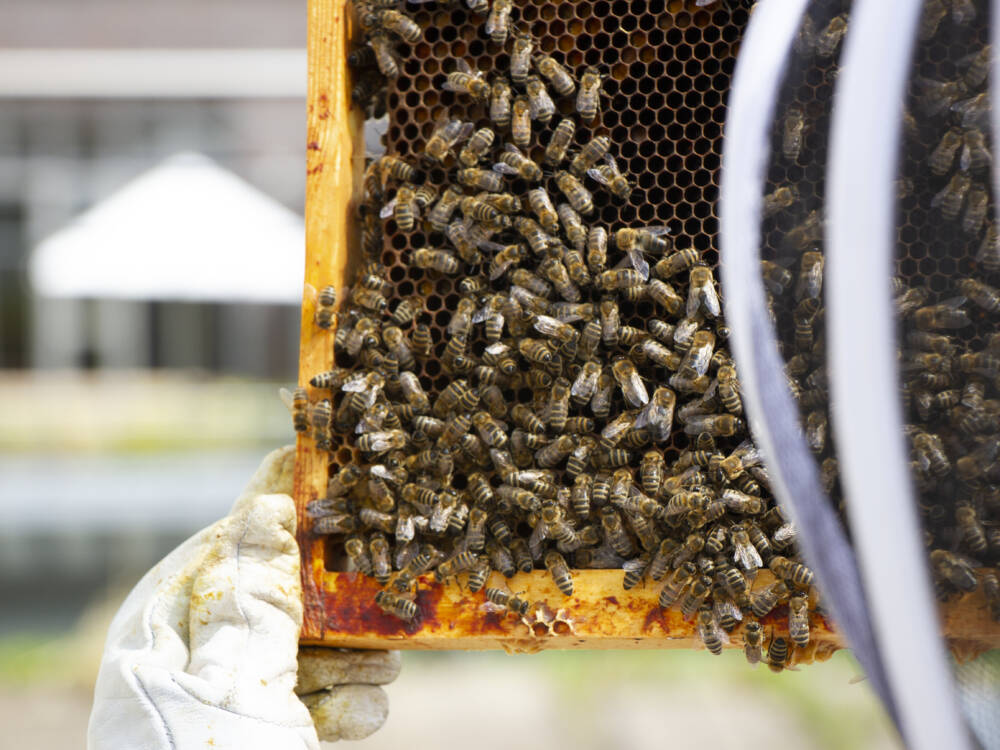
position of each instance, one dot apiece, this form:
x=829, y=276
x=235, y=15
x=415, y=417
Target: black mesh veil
x=857, y=178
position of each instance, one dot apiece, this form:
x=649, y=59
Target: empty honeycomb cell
x=547, y=12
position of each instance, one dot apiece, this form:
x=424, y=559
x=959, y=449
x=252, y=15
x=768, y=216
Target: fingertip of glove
x=348, y=712
x=322, y=667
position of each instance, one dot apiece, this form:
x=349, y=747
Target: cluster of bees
x=950, y=354
x=553, y=443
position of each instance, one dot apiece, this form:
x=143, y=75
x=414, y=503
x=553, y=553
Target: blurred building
x=94, y=93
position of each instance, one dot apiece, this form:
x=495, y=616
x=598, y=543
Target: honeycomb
x=667, y=67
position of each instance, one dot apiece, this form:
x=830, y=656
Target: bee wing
x=495, y=247
x=356, y=383
x=657, y=230
x=387, y=209
x=612, y=163
x=538, y=105
x=639, y=263
x=965, y=158
x=598, y=176
x=504, y=169
x=464, y=131
x=286, y=397
x=748, y=557
x=635, y=565
x=710, y=300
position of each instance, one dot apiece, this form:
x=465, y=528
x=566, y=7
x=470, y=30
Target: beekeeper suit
x=204, y=652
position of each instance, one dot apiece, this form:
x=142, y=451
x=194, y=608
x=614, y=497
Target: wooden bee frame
x=339, y=606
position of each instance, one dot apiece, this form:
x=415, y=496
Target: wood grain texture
x=334, y=163
x=339, y=610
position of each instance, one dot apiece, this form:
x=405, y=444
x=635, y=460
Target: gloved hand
x=204, y=651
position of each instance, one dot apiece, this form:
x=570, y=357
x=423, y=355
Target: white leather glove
x=204, y=651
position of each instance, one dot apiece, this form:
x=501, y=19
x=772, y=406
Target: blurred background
x=151, y=254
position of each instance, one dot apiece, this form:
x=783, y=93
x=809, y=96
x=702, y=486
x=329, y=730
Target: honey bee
x=946, y=315
x=498, y=20
x=325, y=315
x=520, y=58
x=384, y=55
x=481, y=179
x=320, y=420
x=592, y=152
x=479, y=573
x=500, y=558
x=708, y=630
x=556, y=75
x=576, y=232
x=701, y=586
x=562, y=137
x=631, y=384
x=793, y=128
x=600, y=404
x=970, y=529
x=507, y=600
x=752, y=640
x=729, y=390
x=522, y=555
x=520, y=122
x=515, y=164
x=555, y=271
x=381, y=566
x=767, y=598
x=778, y=199
x=792, y=571
x=975, y=154
x=342, y=482
x=955, y=569
x=829, y=38
x=635, y=569
x=951, y=197
x=798, y=620
x=702, y=295
x=297, y=402
x=540, y=103
x=436, y=260
x=579, y=458
x=777, y=654
x=354, y=547
x=578, y=196
x=490, y=432
x=550, y=455
x=974, y=111
x=466, y=81
x=937, y=96
x=807, y=233
x=393, y=168
x=614, y=531
x=676, y=584
x=500, y=95
x=559, y=570
x=476, y=147
x=588, y=97
x=459, y=563
x=609, y=175
x=580, y=494
x=558, y=407
x=975, y=210
x=943, y=155
x=395, y=605
x=675, y=263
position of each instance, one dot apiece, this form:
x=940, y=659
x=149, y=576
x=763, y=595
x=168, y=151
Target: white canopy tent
x=186, y=230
